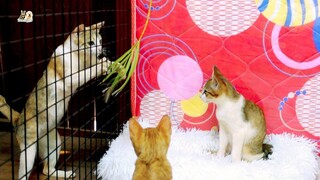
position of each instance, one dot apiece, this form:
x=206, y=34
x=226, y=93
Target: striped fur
x=151, y=146
x=242, y=126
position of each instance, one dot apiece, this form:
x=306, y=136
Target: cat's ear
x=96, y=26
x=216, y=75
x=164, y=125
x=79, y=28
x=135, y=129
x=76, y=31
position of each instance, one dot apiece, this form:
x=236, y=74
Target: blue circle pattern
x=285, y=99
x=158, y=8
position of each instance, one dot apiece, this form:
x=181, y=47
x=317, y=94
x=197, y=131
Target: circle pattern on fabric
x=308, y=107
x=155, y=104
x=221, y=17
x=289, y=13
x=180, y=77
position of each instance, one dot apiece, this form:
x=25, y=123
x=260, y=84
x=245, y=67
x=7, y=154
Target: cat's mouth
x=104, y=53
x=203, y=97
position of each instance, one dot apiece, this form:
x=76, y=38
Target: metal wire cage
x=26, y=46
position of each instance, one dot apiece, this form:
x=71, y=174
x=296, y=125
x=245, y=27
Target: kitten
x=242, y=126
x=151, y=146
x=28, y=17
x=22, y=16
x=73, y=63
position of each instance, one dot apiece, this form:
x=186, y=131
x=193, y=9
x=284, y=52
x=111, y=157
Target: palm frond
x=125, y=65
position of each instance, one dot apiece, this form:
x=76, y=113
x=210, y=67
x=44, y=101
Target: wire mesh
x=88, y=123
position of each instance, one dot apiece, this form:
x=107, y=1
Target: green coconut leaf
x=124, y=66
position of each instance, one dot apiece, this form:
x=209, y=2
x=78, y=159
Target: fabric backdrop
x=269, y=50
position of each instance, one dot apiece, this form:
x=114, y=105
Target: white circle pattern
x=308, y=107
x=221, y=18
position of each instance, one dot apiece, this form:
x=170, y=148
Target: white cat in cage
x=73, y=63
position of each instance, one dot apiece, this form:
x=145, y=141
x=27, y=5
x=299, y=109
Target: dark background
x=25, y=49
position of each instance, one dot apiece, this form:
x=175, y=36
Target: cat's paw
x=2, y=100
x=220, y=154
x=70, y=174
x=59, y=173
x=236, y=159
x=105, y=63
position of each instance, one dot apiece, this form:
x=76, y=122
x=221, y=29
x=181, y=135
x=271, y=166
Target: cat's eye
x=91, y=43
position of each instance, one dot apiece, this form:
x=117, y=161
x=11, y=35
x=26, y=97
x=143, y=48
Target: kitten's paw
x=105, y=65
x=220, y=154
x=59, y=173
x=2, y=100
x=236, y=159
x=70, y=174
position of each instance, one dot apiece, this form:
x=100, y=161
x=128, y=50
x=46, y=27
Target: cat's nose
x=104, y=53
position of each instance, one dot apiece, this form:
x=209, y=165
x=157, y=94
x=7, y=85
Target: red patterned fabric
x=271, y=57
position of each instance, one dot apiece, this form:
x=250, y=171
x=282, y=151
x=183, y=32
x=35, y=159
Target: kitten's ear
x=96, y=26
x=76, y=31
x=135, y=129
x=164, y=125
x=100, y=25
x=216, y=72
x=80, y=28
x=216, y=75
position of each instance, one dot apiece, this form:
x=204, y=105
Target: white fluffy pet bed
x=293, y=158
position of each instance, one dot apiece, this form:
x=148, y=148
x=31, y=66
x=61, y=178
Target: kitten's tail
x=7, y=111
x=267, y=150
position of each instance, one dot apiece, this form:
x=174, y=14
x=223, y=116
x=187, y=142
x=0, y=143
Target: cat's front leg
x=101, y=67
x=223, y=143
x=237, y=145
x=84, y=76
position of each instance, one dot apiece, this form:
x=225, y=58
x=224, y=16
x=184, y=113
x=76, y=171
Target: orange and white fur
x=242, y=126
x=73, y=63
x=151, y=146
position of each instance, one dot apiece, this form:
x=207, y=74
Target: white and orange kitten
x=73, y=63
x=242, y=126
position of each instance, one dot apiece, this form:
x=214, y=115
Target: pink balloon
x=180, y=77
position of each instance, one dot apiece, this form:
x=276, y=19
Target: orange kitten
x=151, y=146
x=242, y=126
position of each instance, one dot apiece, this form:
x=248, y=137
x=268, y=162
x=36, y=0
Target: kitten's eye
x=91, y=43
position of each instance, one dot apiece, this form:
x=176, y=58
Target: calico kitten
x=73, y=63
x=151, y=146
x=242, y=126
x=22, y=16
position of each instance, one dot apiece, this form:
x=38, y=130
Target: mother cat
x=73, y=63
